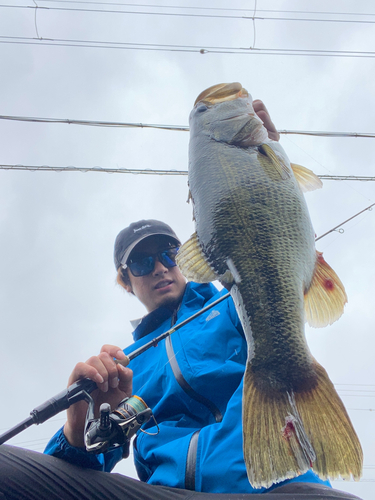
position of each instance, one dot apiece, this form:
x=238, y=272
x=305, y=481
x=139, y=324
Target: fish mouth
x=239, y=117
x=222, y=92
x=251, y=129
x=163, y=284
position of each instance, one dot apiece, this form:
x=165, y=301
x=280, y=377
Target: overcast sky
x=58, y=298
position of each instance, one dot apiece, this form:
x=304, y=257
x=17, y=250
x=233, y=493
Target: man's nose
x=159, y=267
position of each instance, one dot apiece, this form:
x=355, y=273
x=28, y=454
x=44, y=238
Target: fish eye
x=201, y=108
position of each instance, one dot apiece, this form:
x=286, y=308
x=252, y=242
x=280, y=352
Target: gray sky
x=58, y=298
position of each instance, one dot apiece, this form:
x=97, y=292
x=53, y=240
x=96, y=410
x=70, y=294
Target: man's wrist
x=74, y=438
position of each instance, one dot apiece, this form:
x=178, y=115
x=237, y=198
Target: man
x=192, y=381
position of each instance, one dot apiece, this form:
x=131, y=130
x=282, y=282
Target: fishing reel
x=115, y=428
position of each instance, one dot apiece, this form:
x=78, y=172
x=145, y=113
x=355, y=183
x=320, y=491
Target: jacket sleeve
x=59, y=447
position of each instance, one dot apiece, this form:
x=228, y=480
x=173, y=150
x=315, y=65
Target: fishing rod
x=342, y=223
x=80, y=390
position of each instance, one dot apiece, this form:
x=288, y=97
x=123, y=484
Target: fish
x=253, y=233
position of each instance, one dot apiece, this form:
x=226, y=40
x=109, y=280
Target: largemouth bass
x=253, y=230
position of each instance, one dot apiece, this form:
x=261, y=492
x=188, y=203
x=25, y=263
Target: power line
x=181, y=14
x=94, y=123
x=46, y=168
x=183, y=48
x=327, y=134
x=178, y=128
x=147, y=171
x=364, y=178
x=360, y=409
x=226, y=9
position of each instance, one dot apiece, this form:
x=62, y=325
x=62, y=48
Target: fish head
x=225, y=112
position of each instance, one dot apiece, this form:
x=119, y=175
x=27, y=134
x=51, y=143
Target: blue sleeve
x=59, y=447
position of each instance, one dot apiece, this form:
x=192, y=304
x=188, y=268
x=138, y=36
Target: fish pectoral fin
x=194, y=266
x=306, y=178
x=326, y=297
x=277, y=162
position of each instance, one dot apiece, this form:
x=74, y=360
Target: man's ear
x=128, y=288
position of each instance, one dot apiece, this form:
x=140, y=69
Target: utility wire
x=183, y=48
x=178, y=128
x=94, y=123
x=46, y=168
x=181, y=14
x=163, y=172
x=364, y=178
x=147, y=171
x=227, y=9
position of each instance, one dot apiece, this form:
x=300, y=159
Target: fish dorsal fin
x=326, y=297
x=277, y=162
x=306, y=178
x=194, y=266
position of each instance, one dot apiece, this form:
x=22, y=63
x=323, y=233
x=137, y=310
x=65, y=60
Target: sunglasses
x=142, y=265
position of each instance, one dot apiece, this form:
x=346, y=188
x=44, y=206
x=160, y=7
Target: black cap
x=129, y=237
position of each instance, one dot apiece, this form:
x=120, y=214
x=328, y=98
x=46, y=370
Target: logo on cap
x=140, y=228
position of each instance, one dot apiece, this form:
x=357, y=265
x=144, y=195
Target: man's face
x=163, y=286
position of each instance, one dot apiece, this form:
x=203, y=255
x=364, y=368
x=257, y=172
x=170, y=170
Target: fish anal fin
x=337, y=447
x=277, y=162
x=326, y=297
x=194, y=266
x=306, y=178
x=275, y=444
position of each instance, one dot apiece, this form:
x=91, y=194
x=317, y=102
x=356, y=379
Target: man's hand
x=114, y=384
x=261, y=110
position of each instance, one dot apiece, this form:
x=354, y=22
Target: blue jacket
x=199, y=444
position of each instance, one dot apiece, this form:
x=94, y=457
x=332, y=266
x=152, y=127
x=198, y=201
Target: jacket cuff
x=59, y=447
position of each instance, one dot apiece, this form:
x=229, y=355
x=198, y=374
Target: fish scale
x=253, y=231
x=243, y=220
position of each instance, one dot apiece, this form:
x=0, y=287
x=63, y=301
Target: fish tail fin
x=288, y=433
x=276, y=446
x=336, y=444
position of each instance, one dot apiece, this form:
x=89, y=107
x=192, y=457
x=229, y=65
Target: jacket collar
x=195, y=297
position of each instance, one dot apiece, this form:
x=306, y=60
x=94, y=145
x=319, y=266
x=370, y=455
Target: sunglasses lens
x=141, y=266
x=168, y=257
